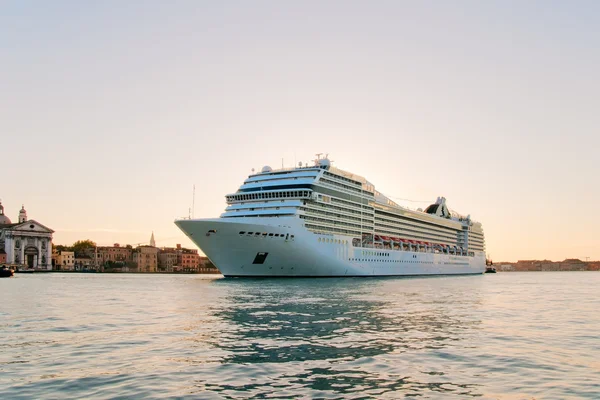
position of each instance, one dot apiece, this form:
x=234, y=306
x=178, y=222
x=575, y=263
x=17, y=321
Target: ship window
x=292, y=236
x=257, y=234
x=270, y=234
x=242, y=232
x=264, y=233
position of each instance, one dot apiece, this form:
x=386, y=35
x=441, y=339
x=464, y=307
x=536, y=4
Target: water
x=507, y=336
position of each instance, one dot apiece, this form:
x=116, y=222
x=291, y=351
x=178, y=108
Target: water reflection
x=338, y=337
x=138, y=336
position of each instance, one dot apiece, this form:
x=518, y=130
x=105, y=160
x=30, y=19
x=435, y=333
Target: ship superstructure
x=319, y=220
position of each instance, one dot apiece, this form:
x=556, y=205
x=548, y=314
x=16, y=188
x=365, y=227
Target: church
x=25, y=244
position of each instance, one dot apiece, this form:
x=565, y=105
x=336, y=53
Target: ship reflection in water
x=341, y=337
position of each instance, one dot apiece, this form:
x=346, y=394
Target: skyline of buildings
x=28, y=244
x=142, y=258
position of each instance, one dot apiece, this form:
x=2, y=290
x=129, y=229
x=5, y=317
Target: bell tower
x=22, y=215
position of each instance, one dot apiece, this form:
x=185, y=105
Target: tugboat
x=490, y=269
x=6, y=272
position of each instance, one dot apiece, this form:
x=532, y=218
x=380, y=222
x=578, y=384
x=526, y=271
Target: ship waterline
x=322, y=221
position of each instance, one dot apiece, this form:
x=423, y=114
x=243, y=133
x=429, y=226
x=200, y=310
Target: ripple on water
x=135, y=336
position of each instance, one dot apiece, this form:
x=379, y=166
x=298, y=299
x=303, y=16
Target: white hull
x=309, y=254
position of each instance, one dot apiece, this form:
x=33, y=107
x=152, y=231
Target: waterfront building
x=83, y=262
x=179, y=259
x=64, y=260
x=167, y=259
x=188, y=260
x=115, y=254
x=146, y=258
x=206, y=267
x=27, y=243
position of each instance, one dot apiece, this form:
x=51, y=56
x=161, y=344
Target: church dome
x=4, y=220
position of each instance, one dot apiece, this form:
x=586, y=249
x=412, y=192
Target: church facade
x=25, y=244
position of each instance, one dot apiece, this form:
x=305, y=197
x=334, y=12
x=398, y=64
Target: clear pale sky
x=111, y=111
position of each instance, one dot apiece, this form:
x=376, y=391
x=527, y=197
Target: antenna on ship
x=193, y=200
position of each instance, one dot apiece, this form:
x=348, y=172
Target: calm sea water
x=507, y=336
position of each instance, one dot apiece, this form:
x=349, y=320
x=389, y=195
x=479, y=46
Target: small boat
x=6, y=272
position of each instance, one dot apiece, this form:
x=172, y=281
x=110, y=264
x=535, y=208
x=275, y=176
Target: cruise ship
x=321, y=221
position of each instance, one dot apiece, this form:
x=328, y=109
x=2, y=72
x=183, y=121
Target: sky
x=111, y=112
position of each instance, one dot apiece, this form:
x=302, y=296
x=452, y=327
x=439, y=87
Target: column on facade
x=39, y=252
x=49, y=254
x=8, y=246
x=22, y=250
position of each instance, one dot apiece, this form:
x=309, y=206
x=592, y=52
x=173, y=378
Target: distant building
x=27, y=243
x=179, y=259
x=146, y=258
x=206, y=267
x=2, y=256
x=506, y=267
x=167, y=259
x=115, y=255
x=188, y=259
x=83, y=262
x=64, y=260
x=572, y=264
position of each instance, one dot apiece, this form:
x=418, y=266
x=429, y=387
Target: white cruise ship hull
x=282, y=247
